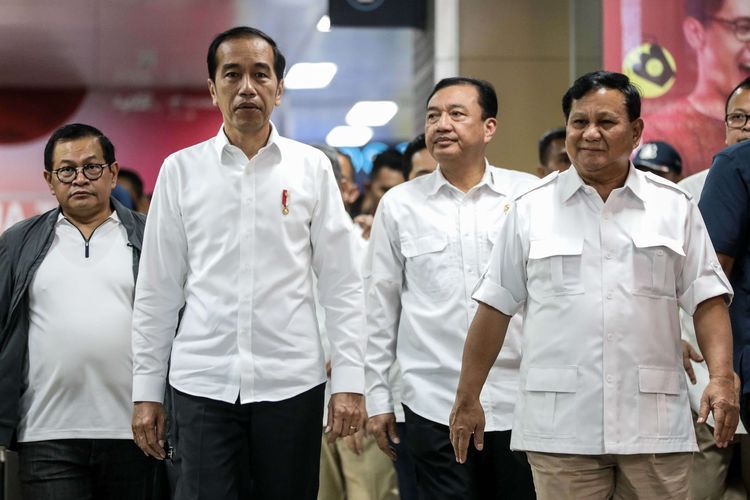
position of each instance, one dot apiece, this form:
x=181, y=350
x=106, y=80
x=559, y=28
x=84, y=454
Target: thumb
x=392, y=432
x=479, y=437
x=693, y=353
x=704, y=409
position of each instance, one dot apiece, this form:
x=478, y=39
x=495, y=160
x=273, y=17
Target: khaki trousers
x=710, y=478
x=600, y=477
x=345, y=475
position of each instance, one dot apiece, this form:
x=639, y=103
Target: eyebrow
x=450, y=107
x=85, y=160
x=257, y=65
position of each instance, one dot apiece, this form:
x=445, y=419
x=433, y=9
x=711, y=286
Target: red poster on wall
x=685, y=56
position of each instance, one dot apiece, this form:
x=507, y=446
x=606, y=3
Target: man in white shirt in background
x=430, y=242
x=67, y=279
x=598, y=258
x=236, y=225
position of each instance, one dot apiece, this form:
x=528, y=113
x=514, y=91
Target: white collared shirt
x=429, y=244
x=79, y=369
x=236, y=241
x=600, y=284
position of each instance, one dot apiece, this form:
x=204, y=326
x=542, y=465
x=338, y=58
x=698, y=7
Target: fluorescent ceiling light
x=346, y=136
x=371, y=113
x=324, y=24
x=310, y=75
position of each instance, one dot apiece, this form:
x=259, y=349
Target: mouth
x=80, y=194
x=247, y=106
x=442, y=141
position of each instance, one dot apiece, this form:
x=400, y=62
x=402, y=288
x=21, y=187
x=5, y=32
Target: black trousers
x=493, y=473
x=266, y=450
x=87, y=469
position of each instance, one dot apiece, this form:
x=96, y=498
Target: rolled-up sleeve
x=383, y=275
x=702, y=276
x=159, y=294
x=503, y=284
x=335, y=260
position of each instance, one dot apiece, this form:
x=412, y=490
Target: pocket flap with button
x=660, y=380
x=557, y=379
x=411, y=247
x=656, y=240
x=540, y=249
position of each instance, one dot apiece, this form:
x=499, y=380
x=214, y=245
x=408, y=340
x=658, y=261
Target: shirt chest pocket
x=430, y=267
x=654, y=261
x=555, y=266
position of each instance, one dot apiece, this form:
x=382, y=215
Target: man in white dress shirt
x=430, y=242
x=237, y=226
x=598, y=258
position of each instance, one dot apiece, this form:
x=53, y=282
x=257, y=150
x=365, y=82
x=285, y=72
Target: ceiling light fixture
x=347, y=136
x=310, y=75
x=371, y=113
x=324, y=24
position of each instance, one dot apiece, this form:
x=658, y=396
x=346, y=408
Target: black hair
x=703, y=10
x=73, y=131
x=604, y=80
x=485, y=93
x=552, y=134
x=279, y=61
x=135, y=179
x=417, y=144
x=390, y=158
x=744, y=85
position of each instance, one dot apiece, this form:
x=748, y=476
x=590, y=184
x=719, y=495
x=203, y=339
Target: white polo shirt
x=79, y=366
x=600, y=284
x=429, y=244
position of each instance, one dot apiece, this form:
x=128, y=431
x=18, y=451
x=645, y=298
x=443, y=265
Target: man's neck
x=607, y=182
x=87, y=223
x=249, y=143
x=463, y=176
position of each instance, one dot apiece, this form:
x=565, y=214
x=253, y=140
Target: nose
x=443, y=122
x=80, y=178
x=591, y=132
x=246, y=86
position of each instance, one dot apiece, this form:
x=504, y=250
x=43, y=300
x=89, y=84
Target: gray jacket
x=22, y=249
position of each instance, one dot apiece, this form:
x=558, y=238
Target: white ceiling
x=127, y=44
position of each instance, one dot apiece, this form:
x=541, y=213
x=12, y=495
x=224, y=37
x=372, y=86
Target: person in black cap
x=659, y=158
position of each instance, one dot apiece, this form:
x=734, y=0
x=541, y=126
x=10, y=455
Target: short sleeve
x=503, y=284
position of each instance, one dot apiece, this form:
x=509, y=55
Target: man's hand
x=467, y=418
x=345, y=415
x=355, y=442
x=149, y=427
x=383, y=428
x=721, y=398
x=689, y=353
x=364, y=221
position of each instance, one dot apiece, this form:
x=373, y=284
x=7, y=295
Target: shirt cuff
x=378, y=403
x=347, y=379
x=704, y=288
x=496, y=296
x=148, y=388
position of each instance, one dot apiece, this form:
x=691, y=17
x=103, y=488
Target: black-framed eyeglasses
x=736, y=119
x=740, y=26
x=92, y=171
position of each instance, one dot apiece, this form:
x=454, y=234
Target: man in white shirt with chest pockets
x=430, y=242
x=599, y=258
